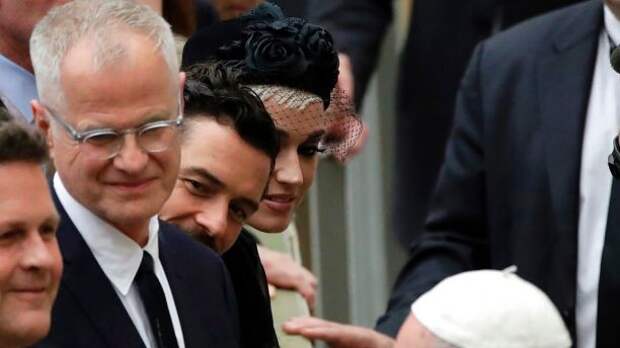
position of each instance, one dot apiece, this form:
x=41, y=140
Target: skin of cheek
x=265, y=219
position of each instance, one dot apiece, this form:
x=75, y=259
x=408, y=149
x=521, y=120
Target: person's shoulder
x=567, y=24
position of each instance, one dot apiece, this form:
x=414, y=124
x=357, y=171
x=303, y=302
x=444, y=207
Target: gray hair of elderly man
x=101, y=22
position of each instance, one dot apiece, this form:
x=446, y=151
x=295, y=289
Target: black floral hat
x=270, y=49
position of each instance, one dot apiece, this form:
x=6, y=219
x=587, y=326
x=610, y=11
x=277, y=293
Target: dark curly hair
x=19, y=143
x=269, y=48
x=213, y=90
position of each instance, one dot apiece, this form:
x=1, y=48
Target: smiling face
x=130, y=188
x=301, y=132
x=30, y=261
x=221, y=182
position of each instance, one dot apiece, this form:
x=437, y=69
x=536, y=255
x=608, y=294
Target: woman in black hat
x=293, y=66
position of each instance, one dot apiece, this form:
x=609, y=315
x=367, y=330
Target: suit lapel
x=85, y=280
x=188, y=305
x=564, y=81
x=565, y=78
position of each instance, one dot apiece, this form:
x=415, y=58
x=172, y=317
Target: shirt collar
x=612, y=25
x=118, y=255
x=18, y=85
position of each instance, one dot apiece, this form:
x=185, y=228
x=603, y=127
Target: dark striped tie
x=154, y=301
x=607, y=330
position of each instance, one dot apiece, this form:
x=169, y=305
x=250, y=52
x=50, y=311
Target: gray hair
x=100, y=21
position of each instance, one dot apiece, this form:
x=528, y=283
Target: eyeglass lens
x=156, y=138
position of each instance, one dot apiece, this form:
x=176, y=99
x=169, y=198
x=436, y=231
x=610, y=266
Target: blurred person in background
x=441, y=38
x=180, y=14
x=30, y=261
x=230, y=9
x=17, y=83
x=228, y=147
x=212, y=11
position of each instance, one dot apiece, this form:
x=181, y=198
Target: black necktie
x=607, y=331
x=154, y=301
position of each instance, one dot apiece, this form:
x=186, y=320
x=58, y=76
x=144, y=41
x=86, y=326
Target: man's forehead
x=218, y=150
x=24, y=193
x=121, y=51
x=140, y=82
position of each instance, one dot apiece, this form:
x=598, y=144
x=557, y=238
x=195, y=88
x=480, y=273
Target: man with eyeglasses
x=110, y=108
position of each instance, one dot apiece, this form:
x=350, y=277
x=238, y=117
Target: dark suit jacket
x=442, y=36
x=508, y=189
x=250, y=283
x=88, y=312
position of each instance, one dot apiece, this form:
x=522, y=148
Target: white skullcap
x=491, y=309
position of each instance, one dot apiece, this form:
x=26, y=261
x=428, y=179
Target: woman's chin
x=269, y=224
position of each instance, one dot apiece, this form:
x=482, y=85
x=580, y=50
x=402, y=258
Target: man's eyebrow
x=51, y=220
x=13, y=224
x=205, y=174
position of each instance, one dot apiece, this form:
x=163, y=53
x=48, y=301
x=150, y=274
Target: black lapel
x=85, y=280
x=188, y=305
x=564, y=83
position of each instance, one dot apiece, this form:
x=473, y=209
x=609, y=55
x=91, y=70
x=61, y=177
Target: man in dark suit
x=229, y=145
x=440, y=40
x=110, y=109
x=525, y=180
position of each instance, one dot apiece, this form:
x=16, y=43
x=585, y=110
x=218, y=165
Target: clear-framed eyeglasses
x=106, y=143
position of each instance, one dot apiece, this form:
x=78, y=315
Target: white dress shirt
x=119, y=257
x=17, y=88
x=602, y=124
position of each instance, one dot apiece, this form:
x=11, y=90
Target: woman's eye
x=310, y=150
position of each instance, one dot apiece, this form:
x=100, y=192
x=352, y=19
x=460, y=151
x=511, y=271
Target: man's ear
x=182, y=79
x=42, y=123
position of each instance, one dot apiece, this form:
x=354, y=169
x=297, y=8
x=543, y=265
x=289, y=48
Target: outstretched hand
x=337, y=335
x=283, y=272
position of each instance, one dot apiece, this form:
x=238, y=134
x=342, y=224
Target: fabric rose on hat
x=273, y=48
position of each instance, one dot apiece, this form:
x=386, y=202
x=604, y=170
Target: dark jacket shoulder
x=551, y=31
